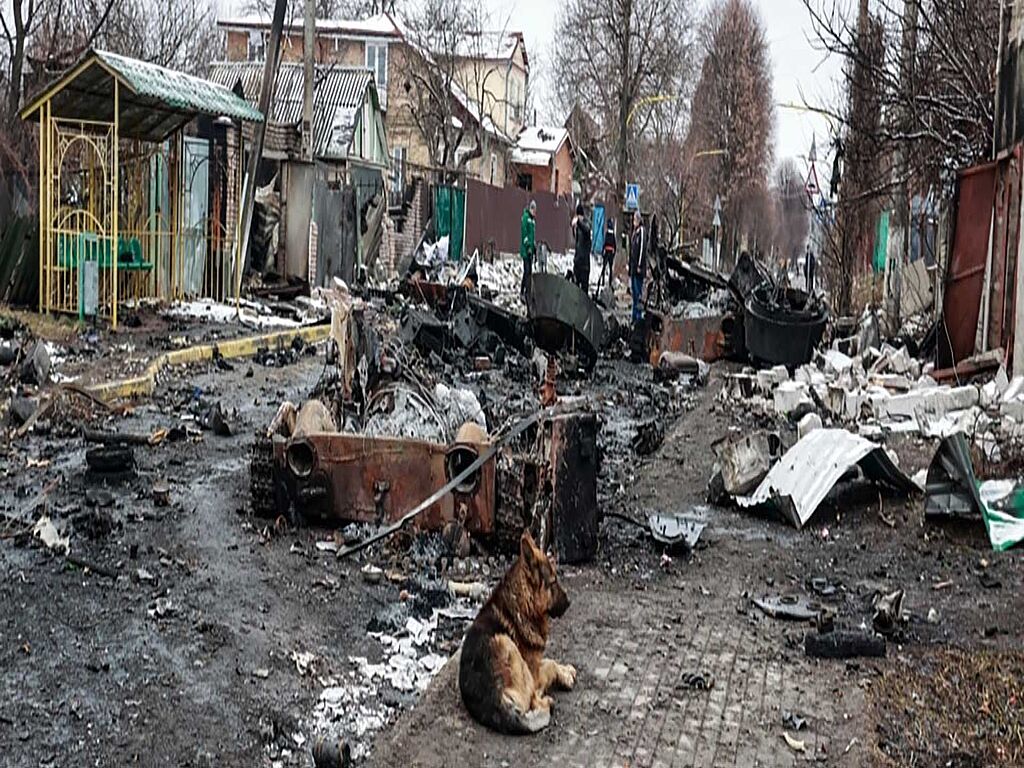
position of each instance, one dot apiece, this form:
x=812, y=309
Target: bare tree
x=733, y=117
x=660, y=165
x=180, y=34
x=624, y=58
x=448, y=77
x=931, y=64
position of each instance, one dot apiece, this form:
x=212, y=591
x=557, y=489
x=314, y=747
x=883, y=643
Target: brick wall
x=402, y=243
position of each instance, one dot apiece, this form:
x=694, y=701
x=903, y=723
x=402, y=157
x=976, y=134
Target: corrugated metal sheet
x=178, y=90
x=154, y=101
x=338, y=95
x=803, y=477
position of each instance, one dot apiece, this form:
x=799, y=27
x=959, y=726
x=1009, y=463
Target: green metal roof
x=154, y=101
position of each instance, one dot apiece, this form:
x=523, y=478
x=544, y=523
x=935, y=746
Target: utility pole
x=625, y=98
x=273, y=58
x=902, y=166
x=308, y=41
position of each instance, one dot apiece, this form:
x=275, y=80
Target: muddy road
x=212, y=638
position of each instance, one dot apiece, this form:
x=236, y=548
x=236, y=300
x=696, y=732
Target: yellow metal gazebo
x=114, y=183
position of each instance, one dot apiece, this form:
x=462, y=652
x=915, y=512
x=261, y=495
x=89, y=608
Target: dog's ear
x=527, y=549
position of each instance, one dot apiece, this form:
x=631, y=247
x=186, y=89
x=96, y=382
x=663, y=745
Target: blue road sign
x=632, y=197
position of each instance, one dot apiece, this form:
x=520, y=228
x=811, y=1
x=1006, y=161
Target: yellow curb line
x=144, y=385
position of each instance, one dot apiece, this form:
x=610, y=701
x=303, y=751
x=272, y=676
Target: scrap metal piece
x=746, y=460
x=564, y=317
x=951, y=489
x=571, y=439
x=842, y=644
x=701, y=337
x=357, y=478
x=748, y=275
x=687, y=281
x=792, y=607
x=423, y=330
x=802, y=479
x=674, y=532
x=442, y=493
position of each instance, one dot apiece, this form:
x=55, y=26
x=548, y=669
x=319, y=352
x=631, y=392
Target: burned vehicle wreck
x=369, y=453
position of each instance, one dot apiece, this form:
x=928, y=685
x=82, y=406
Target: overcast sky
x=799, y=69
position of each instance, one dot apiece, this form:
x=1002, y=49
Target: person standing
x=608, y=253
x=581, y=262
x=637, y=266
x=810, y=266
x=528, y=246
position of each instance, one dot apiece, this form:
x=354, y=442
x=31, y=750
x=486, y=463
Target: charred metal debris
x=440, y=410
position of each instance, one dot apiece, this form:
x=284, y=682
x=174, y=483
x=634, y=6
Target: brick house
x=495, y=64
x=542, y=160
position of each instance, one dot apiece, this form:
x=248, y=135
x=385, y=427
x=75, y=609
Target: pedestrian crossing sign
x=632, y=197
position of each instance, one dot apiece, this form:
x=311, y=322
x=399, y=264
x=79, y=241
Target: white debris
x=248, y=313
x=882, y=391
x=791, y=396
x=808, y=424
x=47, y=532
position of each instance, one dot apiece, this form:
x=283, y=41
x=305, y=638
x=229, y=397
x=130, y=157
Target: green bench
x=87, y=246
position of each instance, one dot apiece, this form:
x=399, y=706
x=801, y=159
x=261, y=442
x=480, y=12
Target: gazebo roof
x=154, y=101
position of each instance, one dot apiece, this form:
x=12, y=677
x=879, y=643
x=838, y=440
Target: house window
x=494, y=168
x=516, y=100
x=398, y=157
x=257, y=45
x=377, y=62
x=525, y=181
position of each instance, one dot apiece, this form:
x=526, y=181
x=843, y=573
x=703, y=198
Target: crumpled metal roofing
x=803, y=477
x=154, y=100
x=338, y=96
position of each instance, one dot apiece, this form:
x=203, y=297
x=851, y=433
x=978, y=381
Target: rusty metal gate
x=978, y=314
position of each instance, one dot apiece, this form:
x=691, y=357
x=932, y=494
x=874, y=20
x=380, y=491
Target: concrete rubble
x=880, y=392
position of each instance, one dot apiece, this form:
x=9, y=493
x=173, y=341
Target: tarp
x=954, y=491
x=881, y=243
x=450, y=218
x=597, y=231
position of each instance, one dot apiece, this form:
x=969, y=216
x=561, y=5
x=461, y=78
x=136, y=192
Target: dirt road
x=217, y=640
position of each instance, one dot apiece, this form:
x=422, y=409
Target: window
x=257, y=46
x=494, y=168
x=377, y=62
x=398, y=156
x=515, y=97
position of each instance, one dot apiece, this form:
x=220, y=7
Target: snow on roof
x=530, y=157
x=536, y=144
x=489, y=45
x=380, y=25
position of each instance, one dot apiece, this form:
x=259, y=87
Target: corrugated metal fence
x=493, y=216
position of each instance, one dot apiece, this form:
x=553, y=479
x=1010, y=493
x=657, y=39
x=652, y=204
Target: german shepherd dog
x=503, y=675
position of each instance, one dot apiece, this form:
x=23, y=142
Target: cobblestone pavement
x=635, y=651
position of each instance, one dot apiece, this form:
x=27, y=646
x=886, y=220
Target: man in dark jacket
x=637, y=266
x=581, y=262
x=607, y=253
x=810, y=266
x=527, y=246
